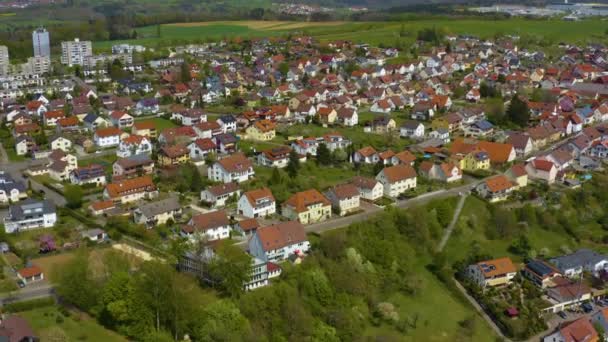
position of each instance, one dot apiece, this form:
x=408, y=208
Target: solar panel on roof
x=539, y=268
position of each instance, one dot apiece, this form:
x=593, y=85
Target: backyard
x=51, y=324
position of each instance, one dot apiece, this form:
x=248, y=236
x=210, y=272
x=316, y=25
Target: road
x=448, y=232
x=30, y=292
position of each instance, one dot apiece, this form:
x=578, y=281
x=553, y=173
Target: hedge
x=29, y=304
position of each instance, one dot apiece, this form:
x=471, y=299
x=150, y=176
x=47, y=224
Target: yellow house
x=517, y=173
x=308, y=206
x=327, y=115
x=262, y=130
x=476, y=160
x=173, y=155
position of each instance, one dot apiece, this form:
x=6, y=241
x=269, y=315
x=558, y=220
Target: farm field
x=553, y=31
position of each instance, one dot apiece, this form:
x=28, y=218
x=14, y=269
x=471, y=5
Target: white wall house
x=30, y=214
x=257, y=203
x=235, y=168
x=397, y=179
x=279, y=241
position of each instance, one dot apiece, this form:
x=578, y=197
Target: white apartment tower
x=75, y=52
x=41, y=42
x=4, y=61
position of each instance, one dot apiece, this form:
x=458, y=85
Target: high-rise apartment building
x=75, y=52
x=41, y=42
x=4, y=61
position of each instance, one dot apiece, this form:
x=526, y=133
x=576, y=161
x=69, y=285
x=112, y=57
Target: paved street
x=34, y=291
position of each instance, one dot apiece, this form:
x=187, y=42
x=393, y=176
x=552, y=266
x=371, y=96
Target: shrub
x=29, y=305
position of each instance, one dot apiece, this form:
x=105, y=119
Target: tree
x=293, y=166
x=230, y=269
x=185, y=72
x=284, y=68
x=73, y=195
x=340, y=155
x=75, y=283
x=221, y=321
x=323, y=155
x=518, y=112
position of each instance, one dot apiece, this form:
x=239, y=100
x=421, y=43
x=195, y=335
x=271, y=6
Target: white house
x=133, y=145
x=107, y=137
x=572, y=265
x=235, y=168
x=369, y=188
x=218, y=195
x=412, y=129
x=30, y=214
x=257, y=203
x=211, y=226
x=397, y=179
x=10, y=190
x=61, y=143
x=279, y=241
x=344, y=198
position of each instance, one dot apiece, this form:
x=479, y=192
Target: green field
x=550, y=31
x=76, y=327
x=159, y=123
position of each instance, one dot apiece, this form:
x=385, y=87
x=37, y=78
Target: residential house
x=234, y=168
x=156, y=213
x=130, y=190
x=518, y=175
x=247, y=226
x=412, y=129
x=91, y=174
x=217, y=196
x=344, y=198
x=95, y=235
x=522, y=143
x=29, y=275
x=61, y=143
x=369, y=188
x=173, y=155
x=257, y=203
x=145, y=128
x=201, y=148
x=381, y=125
x=497, y=188
x=108, y=137
x=24, y=144
x=61, y=164
x=307, y=207
x=50, y=117
x=348, y=116
x=227, y=123
x=11, y=190
x=263, y=130
x=573, y=265
x=443, y=172
x=134, y=166
x=279, y=241
x=121, y=119
x=133, y=145
x=92, y=122
x=496, y=272
x=210, y=226
x=541, y=169
x=366, y=155
x=276, y=157
x=397, y=179
x=226, y=143
x=580, y=330
x=30, y=214
x=541, y=273
x=404, y=157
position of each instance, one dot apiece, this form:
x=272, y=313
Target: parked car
x=587, y=307
x=562, y=314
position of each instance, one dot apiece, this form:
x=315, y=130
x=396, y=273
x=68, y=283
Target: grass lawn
x=160, y=123
x=475, y=218
x=12, y=155
x=76, y=327
x=438, y=313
